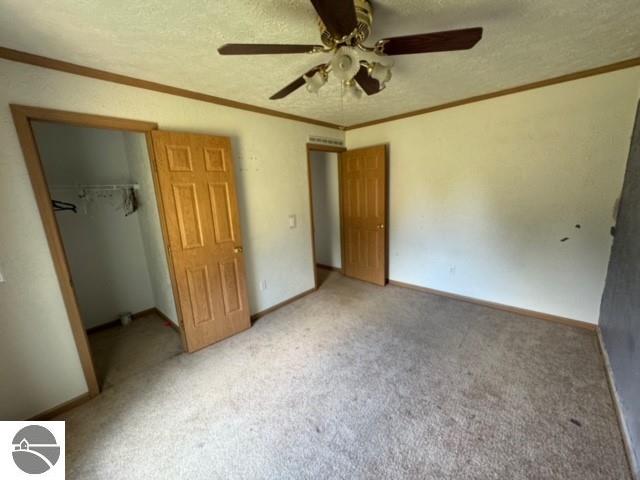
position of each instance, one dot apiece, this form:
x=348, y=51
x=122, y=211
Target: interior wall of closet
x=102, y=187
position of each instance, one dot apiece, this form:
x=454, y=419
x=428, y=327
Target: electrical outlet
x=292, y=221
x=263, y=285
x=1, y=278
x=452, y=269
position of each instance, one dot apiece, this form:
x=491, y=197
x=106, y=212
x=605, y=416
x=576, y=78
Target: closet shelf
x=118, y=186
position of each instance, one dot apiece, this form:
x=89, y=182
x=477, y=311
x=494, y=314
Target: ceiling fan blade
x=296, y=84
x=292, y=87
x=371, y=86
x=339, y=16
x=432, y=42
x=264, y=49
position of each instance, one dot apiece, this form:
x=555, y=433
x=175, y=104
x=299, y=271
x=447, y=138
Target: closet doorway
x=103, y=197
x=142, y=225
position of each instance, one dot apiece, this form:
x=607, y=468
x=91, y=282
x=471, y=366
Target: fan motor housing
x=364, y=15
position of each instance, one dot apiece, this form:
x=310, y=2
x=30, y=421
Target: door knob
x=237, y=249
x=380, y=226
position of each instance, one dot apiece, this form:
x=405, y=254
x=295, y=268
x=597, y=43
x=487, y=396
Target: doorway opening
x=27, y=120
x=185, y=179
x=102, y=193
x=323, y=165
x=349, y=212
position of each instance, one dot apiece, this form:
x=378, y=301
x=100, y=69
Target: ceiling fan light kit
x=349, y=90
x=345, y=63
x=316, y=81
x=345, y=26
x=380, y=72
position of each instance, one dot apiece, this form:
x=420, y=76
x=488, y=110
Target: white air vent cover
x=334, y=142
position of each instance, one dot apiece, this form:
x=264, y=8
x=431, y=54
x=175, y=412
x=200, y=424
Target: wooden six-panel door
x=198, y=192
x=364, y=213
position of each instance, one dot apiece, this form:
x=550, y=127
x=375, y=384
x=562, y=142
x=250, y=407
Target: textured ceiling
x=174, y=42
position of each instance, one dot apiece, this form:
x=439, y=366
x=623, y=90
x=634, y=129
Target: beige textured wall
x=481, y=195
x=39, y=366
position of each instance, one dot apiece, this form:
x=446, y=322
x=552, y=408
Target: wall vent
x=333, y=142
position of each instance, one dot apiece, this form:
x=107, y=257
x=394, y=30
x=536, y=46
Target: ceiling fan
x=344, y=27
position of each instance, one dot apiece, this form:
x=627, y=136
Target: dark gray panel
x=620, y=310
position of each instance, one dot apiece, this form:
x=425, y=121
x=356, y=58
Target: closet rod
x=120, y=186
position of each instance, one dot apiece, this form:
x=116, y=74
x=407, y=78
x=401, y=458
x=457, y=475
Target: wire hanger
x=59, y=206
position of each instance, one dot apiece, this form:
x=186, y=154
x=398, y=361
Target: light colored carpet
x=120, y=352
x=357, y=381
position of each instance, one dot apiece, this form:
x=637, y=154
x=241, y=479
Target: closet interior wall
x=114, y=248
